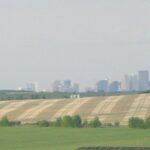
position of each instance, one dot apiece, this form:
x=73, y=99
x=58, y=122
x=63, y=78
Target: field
x=109, y=109
x=34, y=138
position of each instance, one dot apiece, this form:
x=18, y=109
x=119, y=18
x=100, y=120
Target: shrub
x=43, y=123
x=85, y=123
x=95, y=123
x=14, y=123
x=67, y=121
x=58, y=122
x=77, y=122
x=4, y=122
x=147, y=122
x=136, y=122
x=116, y=124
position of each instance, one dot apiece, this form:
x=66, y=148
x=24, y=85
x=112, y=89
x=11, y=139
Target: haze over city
x=84, y=41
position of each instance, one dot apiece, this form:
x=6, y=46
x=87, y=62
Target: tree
x=85, y=123
x=95, y=123
x=77, y=122
x=58, y=122
x=136, y=122
x=4, y=122
x=67, y=121
x=147, y=122
x=43, y=123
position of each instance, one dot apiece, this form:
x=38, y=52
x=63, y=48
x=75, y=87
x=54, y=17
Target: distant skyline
x=83, y=41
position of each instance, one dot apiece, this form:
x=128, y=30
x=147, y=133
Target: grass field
x=35, y=138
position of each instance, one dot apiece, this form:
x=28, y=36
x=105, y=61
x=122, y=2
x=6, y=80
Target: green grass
x=35, y=138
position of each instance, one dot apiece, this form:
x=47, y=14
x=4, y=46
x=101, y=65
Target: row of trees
x=4, y=122
x=71, y=121
x=66, y=121
x=136, y=122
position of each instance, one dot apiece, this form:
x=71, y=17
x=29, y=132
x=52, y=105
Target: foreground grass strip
x=35, y=138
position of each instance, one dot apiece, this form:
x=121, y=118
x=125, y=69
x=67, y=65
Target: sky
x=80, y=40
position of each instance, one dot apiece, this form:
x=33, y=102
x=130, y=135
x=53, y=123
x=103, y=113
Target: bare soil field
x=108, y=109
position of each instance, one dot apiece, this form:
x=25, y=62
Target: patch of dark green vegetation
x=4, y=122
x=66, y=121
x=136, y=122
x=21, y=95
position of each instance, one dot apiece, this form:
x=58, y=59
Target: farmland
x=35, y=138
x=108, y=109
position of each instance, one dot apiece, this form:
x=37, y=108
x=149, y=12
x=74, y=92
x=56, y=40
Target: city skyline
x=83, y=41
x=139, y=81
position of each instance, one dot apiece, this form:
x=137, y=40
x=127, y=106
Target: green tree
x=58, y=122
x=43, y=123
x=136, y=122
x=4, y=122
x=85, y=123
x=67, y=121
x=77, y=122
x=147, y=122
x=95, y=123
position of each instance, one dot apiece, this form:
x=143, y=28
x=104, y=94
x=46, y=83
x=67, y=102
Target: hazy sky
x=81, y=40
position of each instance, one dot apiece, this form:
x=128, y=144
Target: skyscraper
x=67, y=86
x=32, y=86
x=57, y=86
x=143, y=77
x=114, y=86
x=125, y=83
x=75, y=88
x=102, y=85
x=133, y=84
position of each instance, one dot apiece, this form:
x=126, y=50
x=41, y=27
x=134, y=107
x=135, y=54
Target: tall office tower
x=57, y=86
x=102, y=85
x=133, y=85
x=143, y=80
x=67, y=86
x=75, y=88
x=125, y=83
x=114, y=86
x=33, y=86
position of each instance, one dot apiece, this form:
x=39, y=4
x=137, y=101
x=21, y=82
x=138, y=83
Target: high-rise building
x=114, y=86
x=57, y=86
x=67, y=86
x=143, y=78
x=32, y=86
x=75, y=88
x=125, y=83
x=102, y=85
x=133, y=84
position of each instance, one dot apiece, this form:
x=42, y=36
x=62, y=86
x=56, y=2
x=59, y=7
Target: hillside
x=107, y=108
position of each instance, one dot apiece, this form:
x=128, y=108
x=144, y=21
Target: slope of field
x=107, y=108
x=34, y=138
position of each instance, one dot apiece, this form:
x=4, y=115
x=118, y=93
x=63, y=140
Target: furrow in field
x=15, y=114
x=86, y=109
x=79, y=102
x=133, y=108
x=28, y=113
x=48, y=105
x=49, y=112
x=141, y=109
x=4, y=103
x=100, y=108
x=11, y=107
x=147, y=106
x=120, y=109
x=64, y=109
x=108, y=108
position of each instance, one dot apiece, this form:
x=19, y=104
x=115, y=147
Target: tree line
x=136, y=122
x=66, y=121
